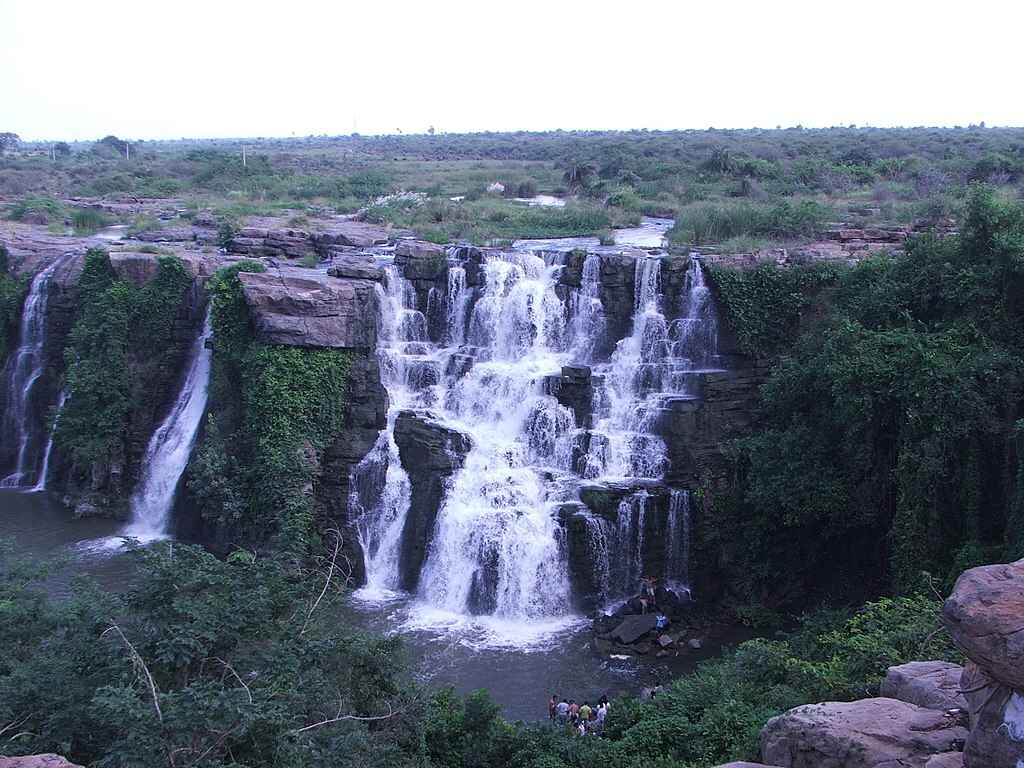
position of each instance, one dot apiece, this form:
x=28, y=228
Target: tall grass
x=87, y=220
x=703, y=223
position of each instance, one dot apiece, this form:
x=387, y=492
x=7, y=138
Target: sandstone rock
x=743, y=764
x=37, y=761
x=946, y=760
x=360, y=266
x=928, y=684
x=420, y=260
x=997, y=721
x=985, y=616
x=587, y=559
x=633, y=628
x=574, y=390
x=302, y=308
x=357, y=234
x=167, y=235
x=871, y=733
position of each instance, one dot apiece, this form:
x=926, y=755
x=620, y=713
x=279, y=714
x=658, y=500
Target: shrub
x=87, y=220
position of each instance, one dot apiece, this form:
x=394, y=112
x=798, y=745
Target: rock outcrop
x=985, y=616
x=303, y=308
x=321, y=239
x=36, y=761
x=430, y=453
x=928, y=684
x=870, y=733
x=425, y=266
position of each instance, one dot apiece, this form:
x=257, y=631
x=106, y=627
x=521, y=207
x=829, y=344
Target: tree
x=578, y=175
x=61, y=149
x=8, y=140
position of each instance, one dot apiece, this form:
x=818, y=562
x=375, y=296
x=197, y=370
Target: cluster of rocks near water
x=929, y=714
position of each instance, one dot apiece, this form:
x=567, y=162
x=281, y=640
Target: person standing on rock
x=562, y=711
x=585, y=711
x=553, y=708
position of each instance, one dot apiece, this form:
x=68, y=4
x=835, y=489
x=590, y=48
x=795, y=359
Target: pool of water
x=521, y=663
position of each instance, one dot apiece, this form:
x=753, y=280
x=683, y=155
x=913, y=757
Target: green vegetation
x=702, y=223
x=12, y=292
x=39, y=208
x=86, y=221
x=251, y=474
x=118, y=353
x=246, y=661
x=484, y=220
x=888, y=445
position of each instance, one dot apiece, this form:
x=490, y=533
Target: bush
x=85, y=221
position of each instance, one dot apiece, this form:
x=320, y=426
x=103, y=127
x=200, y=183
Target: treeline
x=890, y=447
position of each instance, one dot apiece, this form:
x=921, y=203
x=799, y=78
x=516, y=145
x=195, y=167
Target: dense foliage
x=273, y=411
x=12, y=292
x=889, y=444
x=247, y=661
x=120, y=356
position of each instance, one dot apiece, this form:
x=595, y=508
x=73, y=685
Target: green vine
x=764, y=305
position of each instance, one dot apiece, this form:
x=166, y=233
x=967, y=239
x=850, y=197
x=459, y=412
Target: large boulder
x=36, y=761
x=302, y=308
x=997, y=721
x=985, y=616
x=946, y=760
x=632, y=628
x=928, y=684
x=871, y=733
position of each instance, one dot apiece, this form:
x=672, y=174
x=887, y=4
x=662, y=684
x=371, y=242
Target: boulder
x=36, y=761
x=946, y=760
x=871, y=733
x=421, y=261
x=633, y=628
x=302, y=308
x=985, y=616
x=928, y=684
x=348, y=232
x=359, y=266
x=744, y=764
x=997, y=721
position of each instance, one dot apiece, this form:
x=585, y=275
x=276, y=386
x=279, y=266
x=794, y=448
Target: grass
x=487, y=220
x=706, y=222
x=41, y=207
x=85, y=221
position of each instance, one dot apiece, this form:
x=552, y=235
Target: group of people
x=582, y=718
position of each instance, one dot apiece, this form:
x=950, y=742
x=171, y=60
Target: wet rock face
x=985, y=616
x=618, y=294
x=587, y=538
x=366, y=416
x=301, y=308
x=997, y=721
x=425, y=265
x=871, y=733
x=928, y=684
x=430, y=454
x=574, y=389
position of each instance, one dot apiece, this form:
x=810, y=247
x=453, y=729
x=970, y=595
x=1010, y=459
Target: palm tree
x=578, y=175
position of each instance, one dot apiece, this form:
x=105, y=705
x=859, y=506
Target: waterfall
x=45, y=469
x=677, y=552
x=497, y=547
x=23, y=371
x=170, y=446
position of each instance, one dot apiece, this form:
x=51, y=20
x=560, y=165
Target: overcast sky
x=145, y=69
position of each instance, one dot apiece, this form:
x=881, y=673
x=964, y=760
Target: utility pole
x=243, y=155
x=53, y=152
x=126, y=153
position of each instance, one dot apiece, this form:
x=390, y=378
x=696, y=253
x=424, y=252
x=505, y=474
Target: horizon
x=115, y=68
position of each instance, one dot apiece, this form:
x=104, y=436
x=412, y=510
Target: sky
x=162, y=70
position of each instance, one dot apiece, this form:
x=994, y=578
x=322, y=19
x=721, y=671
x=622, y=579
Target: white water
x=45, y=469
x=497, y=564
x=170, y=446
x=23, y=371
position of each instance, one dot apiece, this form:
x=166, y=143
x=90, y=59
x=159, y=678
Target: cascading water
x=23, y=371
x=170, y=447
x=497, y=547
x=44, y=470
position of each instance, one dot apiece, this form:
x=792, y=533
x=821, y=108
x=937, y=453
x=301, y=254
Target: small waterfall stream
x=498, y=550
x=170, y=446
x=23, y=371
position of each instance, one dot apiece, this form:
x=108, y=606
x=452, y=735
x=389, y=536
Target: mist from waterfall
x=171, y=445
x=22, y=372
